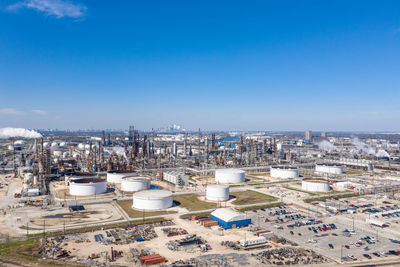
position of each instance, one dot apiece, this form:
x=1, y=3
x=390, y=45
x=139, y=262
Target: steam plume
x=9, y=132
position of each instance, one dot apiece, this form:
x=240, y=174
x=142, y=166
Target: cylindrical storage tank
x=217, y=192
x=152, y=200
x=57, y=153
x=315, y=185
x=81, y=146
x=285, y=173
x=28, y=177
x=133, y=184
x=229, y=176
x=116, y=176
x=63, y=144
x=87, y=186
x=329, y=169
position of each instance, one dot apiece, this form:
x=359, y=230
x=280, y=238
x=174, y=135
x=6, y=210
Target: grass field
x=251, y=197
x=188, y=215
x=26, y=253
x=192, y=203
x=308, y=200
x=126, y=205
x=97, y=227
x=255, y=207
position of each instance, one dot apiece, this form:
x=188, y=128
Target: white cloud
x=10, y=111
x=57, y=8
x=39, y=112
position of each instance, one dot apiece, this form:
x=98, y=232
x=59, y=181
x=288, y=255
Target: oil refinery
x=188, y=198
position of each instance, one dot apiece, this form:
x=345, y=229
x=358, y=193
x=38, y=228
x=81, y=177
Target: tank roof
x=153, y=194
x=87, y=180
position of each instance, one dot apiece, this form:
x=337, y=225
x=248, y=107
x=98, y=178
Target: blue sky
x=239, y=65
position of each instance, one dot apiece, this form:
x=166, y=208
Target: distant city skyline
x=225, y=65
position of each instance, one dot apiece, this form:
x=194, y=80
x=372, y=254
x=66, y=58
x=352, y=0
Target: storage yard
x=224, y=201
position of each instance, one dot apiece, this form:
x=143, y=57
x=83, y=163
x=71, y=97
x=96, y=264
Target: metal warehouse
x=230, y=218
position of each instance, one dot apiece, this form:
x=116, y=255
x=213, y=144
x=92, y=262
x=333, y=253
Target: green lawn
x=188, y=215
x=98, y=227
x=26, y=253
x=308, y=200
x=251, y=197
x=255, y=207
x=126, y=205
x=192, y=203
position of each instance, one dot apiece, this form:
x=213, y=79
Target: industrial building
x=176, y=178
x=315, y=185
x=88, y=186
x=133, y=184
x=308, y=136
x=230, y=218
x=329, y=169
x=217, y=192
x=152, y=200
x=284, y=172
x=229, y=176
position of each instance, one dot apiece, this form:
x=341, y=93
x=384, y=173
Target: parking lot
x=327, y=236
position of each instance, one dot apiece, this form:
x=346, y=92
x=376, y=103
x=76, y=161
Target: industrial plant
x=197, y=198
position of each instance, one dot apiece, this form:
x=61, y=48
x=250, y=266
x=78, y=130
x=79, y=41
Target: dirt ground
x=212, y=235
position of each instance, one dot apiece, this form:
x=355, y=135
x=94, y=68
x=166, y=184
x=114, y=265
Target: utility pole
x=341, y=253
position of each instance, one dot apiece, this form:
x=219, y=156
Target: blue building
x=230, y=218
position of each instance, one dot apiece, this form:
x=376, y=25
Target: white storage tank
x=152, y=200
x=284, y=172
x=133, y=184
x=116, y=176
x=315, y=185
x=57, y=153
x=229, y=176
x=28, y=177
x=81, y=146
x=87, y=186
x=217, y=192
x=329, y=169
x=63, y=144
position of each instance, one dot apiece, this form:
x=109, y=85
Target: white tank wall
x=329, y=169
x=152, y=200
x=284, y=173
x=87, y=189
x=116, y=177
x=217, y=192
x=315, y=186
x=133, y=184
x=227, y=176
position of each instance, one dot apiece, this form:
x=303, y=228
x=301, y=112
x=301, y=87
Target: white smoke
x=382, y=154
x=119, y=150
x=361, y=147
x=9, y=132
x=326, y=146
